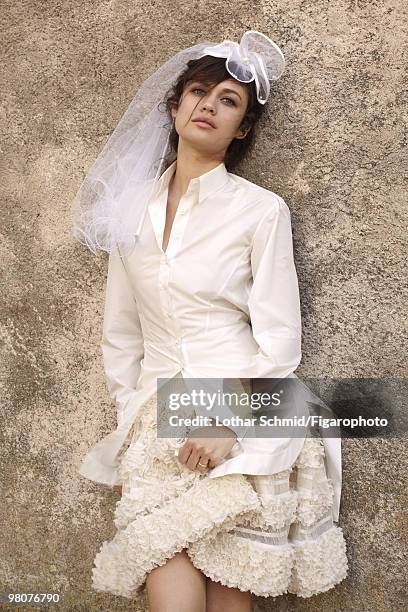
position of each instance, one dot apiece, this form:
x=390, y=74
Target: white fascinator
x=110, y=206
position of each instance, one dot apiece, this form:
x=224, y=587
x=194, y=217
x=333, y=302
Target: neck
x=190, y=164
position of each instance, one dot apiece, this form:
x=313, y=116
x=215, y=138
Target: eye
x=225, y=98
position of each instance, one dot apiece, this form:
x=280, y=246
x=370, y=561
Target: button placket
x=164, y=277
x=176, y=233
x=179, y=223
x=179, y=343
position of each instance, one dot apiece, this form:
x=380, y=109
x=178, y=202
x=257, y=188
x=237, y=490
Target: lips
x=204, y=120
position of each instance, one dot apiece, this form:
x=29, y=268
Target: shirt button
x=183, y=212
x=170, y=315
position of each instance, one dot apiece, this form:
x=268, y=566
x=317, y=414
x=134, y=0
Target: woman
x=210, y=291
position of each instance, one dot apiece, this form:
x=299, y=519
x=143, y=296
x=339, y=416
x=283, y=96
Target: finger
x=202, y=465
x=202, y=461
x=190, y=453
x=193, y=458
x=214, y=461
x=185, y=452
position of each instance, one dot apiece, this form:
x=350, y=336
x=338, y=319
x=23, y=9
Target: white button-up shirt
x=221, y=302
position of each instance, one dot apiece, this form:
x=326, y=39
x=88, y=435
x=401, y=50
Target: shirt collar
x=203, y=185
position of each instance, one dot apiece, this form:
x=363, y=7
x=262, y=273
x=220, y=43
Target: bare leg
x=176, y=586
x=221, y=598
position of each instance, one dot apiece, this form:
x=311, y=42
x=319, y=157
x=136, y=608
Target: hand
x=208, y=450
x=118, y=489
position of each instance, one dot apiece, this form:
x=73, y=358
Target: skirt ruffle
x=266, y=534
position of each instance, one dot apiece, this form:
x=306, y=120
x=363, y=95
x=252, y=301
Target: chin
x=197, y=141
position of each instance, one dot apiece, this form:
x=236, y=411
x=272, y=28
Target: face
x=224, y=105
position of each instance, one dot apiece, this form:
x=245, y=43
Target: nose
x=206, y=105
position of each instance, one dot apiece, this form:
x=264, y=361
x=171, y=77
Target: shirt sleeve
x=122, y=338
x=274, y=302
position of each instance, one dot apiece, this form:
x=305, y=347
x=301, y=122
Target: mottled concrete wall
x=333, y=145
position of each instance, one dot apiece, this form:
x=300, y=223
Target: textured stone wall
x=333, y=145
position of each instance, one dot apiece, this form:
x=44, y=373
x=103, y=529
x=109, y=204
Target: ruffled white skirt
x=266, y=534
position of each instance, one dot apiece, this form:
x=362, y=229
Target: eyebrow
x=227, y=90
x=224, y=90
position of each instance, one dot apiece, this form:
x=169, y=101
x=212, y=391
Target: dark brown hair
x=212, y=70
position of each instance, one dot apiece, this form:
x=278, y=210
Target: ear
x=242, y=132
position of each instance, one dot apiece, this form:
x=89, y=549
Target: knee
x=226, y=599
x=214, y=607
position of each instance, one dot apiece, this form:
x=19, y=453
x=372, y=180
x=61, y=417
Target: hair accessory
x=256, y=57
